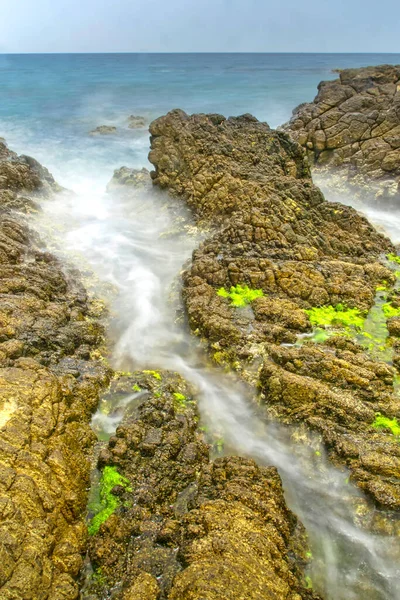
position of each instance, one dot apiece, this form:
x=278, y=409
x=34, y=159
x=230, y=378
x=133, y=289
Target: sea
x=50, y=102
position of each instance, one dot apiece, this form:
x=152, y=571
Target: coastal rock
x=124, y=176
x=273, y=231
x=49, y=388
x=103, y=130
x=353, y=127
x=187, y=528
x=136, y=122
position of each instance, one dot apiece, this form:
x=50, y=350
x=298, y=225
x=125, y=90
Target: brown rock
x=356, y=118
x=45, y=410
x=274, y=231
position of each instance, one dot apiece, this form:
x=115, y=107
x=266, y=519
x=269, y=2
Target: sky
x=199, y=26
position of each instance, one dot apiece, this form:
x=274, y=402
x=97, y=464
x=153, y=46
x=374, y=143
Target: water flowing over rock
x=187, y=528
x=49, y=388
x=353, y=127
x=272, y=230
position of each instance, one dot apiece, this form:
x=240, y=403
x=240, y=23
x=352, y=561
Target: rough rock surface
x=354, y=124
x=125, y=178
x=188, y=528
x=48, y=389
x=274, y=231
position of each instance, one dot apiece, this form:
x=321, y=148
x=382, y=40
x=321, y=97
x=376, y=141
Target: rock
x=103, y=130
x=45, y=410
x=186, y=527
x=353, y=128
x=273, y=231
x=124, y=176
x=136, y=122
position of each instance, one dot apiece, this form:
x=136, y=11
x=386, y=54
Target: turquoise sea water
x=49, y=103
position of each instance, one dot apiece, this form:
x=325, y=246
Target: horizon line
x=195, y=52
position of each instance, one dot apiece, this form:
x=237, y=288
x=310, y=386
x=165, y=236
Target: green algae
x=180, y=400
x=108, y=502
x=375, y=335
x=390, y=311
x=154, y=374
x=308, y=582
x=369, y=331
x=98, y=577
x=330, y=316
x=382, y=422
x=240, y=295
x=136, y=388
x=393, y=258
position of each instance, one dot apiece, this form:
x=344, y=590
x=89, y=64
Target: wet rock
x=274, y=232
x=136, y=122
x=103, y=130
x=353, y=127
x=124, y=176
x=338, y=392
x=186, y=527
x=47, y=395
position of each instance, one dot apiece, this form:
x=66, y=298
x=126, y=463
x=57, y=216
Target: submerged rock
x=48, y=390
x=136, y=122
x=275, y=233
x=187, y=528
x=353, y=127
x=103, y=130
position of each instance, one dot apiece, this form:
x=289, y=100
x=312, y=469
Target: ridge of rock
x=274, y=231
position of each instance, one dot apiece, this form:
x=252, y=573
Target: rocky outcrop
x=186, y=528
x=274, y=232
x=353, y=126
x=48, y=390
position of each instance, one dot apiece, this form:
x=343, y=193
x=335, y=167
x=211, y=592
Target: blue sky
x=199, y=26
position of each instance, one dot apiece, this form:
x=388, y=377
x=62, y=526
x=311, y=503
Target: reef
x=352, y=129
x=49, y=388
x=270, y=229
x=184, y=527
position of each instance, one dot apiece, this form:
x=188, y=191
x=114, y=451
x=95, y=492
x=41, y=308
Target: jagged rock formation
x=48, y=390
x=187, y=528
x=274, y=231
x=353, y=125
